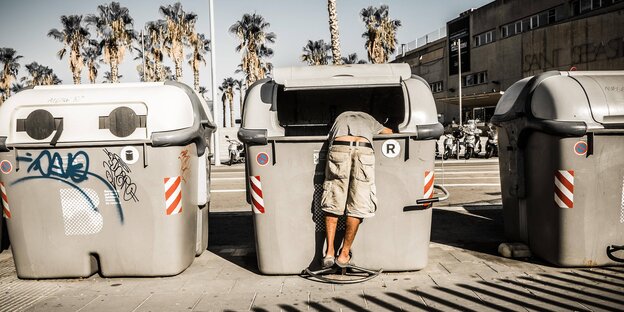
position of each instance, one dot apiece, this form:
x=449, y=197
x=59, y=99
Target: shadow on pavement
x=231, y=236
x=479, y=230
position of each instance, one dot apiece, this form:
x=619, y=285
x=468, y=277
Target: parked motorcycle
x=491, y=147
x=236, y=151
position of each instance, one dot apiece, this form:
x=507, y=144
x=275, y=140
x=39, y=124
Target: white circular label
x=129, y=155
x=391, y=148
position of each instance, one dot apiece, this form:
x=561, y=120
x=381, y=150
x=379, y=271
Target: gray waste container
x=109, y=177
x=561, y=142
x=285, y=125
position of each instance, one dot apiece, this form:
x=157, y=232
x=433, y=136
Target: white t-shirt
x=355, y=124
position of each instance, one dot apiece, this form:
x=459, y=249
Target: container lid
x=605, y=91
x=338, y=76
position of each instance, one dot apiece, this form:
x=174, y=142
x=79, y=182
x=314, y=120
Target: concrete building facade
x=507, y=40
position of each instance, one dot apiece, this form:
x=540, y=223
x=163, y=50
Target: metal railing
x=424, y=40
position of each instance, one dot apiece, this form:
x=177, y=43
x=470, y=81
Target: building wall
x=593, y=41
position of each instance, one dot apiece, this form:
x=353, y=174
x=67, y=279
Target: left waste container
x=111, y=178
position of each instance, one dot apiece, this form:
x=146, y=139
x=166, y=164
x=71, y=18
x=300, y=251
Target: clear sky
x=24, y=25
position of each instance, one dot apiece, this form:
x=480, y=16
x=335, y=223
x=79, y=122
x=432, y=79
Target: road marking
x=228, y=191
x=472, y=184
x=468, y=172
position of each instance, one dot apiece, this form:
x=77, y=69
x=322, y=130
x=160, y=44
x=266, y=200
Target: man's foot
x=328, y=262
x=343, y=263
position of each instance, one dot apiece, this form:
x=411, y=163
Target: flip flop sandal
x=328, y=262
x=346, y=264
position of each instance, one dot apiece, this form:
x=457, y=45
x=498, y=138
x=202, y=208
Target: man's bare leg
x=331, y=222
x=353, y=224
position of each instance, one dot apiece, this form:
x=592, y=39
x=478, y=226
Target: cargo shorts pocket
x=338, y=165
x=328, y=198
x=366, y=172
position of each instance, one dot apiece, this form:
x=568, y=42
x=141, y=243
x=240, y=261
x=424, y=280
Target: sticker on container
x=391, y=148
x=6, y=167
x=129, y=155
x=80, y=213
x=564, y=188
x=580, y=148
x=257, y=200
x=262, y=159
x=173, y=195
x=6, y=212
x=316, y=157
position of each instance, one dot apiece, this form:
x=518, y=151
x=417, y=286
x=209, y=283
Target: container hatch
x=340, y=76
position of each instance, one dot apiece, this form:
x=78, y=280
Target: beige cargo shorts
x=350, y=182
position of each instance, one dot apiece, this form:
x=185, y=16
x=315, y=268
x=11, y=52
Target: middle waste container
x=562, y=165
x=109, y=177
x=285, y=125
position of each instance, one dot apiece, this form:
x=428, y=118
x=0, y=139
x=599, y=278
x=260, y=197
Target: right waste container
x=561, y=137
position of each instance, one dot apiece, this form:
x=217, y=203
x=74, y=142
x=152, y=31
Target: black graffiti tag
x=117, y=174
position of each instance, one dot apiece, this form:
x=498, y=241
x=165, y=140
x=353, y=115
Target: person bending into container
x=349, y=180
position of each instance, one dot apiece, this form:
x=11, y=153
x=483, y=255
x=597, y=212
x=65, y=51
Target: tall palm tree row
x=74, y=36
x=333, y=30
x=180, y=27
x=380, y=33
x=227, y=87
x=114, y=27
x=316, y=52
x=200, y=45
x=10, y=69
x=253, y=36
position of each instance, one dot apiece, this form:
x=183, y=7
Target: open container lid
x=338, y=76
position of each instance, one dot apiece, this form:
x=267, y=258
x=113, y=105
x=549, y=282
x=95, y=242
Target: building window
x=552, y=16
x=518, y=27
x=534, y=22
x=436, y=87
x=475, y=79
x=484, y=38
x=505, y=31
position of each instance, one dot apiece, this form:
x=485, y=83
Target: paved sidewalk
x=464, y=273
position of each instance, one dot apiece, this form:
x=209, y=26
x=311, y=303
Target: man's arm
x=386, y=131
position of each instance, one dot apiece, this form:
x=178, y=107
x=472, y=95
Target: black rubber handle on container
x=613, y=248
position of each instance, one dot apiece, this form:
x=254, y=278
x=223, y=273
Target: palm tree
x=74, y=37
x=109, y=78
x=239, y=85
x=200, y=45
x=17, y=87
x=352, y=59
x=91, y=57
x=10, y=69
x=333, y=30
x=203, y=91
x=315, y=52
x=227, y=87
x=252, y=33
x=180, y=26
x=40, y=75
x=114, y=27
x=380, y=33
x=154, y=46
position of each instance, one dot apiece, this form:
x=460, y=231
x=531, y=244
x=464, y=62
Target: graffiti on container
x=185, y=164
x=71, y=169
x=117, y=174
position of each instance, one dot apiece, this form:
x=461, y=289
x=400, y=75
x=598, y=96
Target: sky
x=24, y=25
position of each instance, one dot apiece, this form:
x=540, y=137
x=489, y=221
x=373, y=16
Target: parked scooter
x=471, y=132
x=449, y=142
x=491, y=147
x=236, y=151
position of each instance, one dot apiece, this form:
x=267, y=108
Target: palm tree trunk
x=333, y=29
x=232, y=111
x=92, y=73
x=113, y=67
x=240, y=98
x=224, y=112
x=196, y=79
x=178, y=69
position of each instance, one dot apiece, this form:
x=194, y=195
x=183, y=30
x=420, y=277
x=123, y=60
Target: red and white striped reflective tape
x=564, y=188
x=6, y=212
x=428, y=190
x=257, y=199
x=173, y=195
